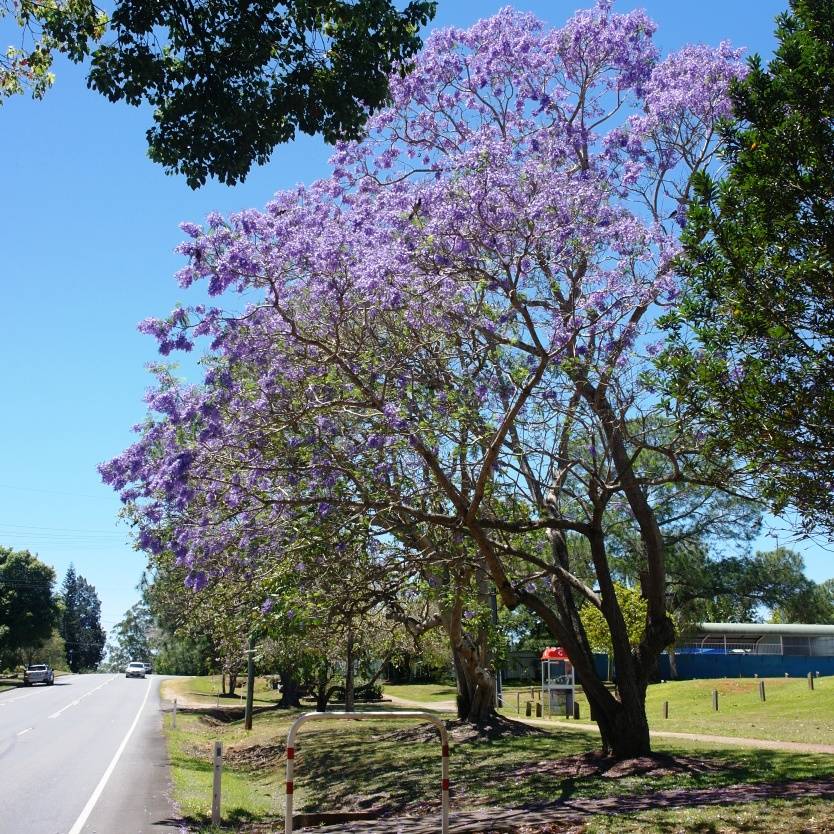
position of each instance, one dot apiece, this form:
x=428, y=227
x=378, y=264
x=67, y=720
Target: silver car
x=38, y=673
x=135, y=670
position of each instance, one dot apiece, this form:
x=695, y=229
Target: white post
x=215, y=794
x=174, y=716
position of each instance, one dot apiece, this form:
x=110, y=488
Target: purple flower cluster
x=503, y=230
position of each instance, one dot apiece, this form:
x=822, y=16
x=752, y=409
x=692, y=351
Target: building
x=715, y=650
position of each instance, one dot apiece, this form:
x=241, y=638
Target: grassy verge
x=351, y=766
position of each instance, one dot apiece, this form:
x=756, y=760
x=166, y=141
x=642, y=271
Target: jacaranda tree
x=449, y=333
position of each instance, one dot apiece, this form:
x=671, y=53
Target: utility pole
x=250, y=682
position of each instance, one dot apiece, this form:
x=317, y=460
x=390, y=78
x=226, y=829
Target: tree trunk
x=349, y=683
x=232, y=683
x=623, y=727
x=223, y=683
x=289, y=690
x=476, y=687
x=322, y=690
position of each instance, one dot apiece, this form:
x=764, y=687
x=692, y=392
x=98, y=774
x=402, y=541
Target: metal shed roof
x=787, y=629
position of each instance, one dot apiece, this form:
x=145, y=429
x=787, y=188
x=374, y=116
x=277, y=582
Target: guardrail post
x=174, y=716
x=215, y=794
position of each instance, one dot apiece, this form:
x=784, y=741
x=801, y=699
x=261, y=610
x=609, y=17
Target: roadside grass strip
x=394, y=767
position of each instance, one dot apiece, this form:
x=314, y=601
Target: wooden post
x=518, y=702
x=538, y=709
x=528, y=711
x=665, y=709
x=762, y=691
x=174, y=716
x=715, y=699
x=250, y=683
x=811, y=681
x=576, y=710
x=215, y=794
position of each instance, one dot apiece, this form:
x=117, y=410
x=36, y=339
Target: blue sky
x=87, y=230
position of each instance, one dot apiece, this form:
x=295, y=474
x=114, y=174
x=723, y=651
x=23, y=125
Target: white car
x=38, y=673
x=135, y=670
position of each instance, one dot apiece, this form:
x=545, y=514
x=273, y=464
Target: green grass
x=425, y=692
x=791, y=712
x=204, y=690
x=809, y=816
x=354, y=765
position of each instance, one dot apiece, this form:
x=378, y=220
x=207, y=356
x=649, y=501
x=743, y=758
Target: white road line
x=77, y=701
x=23, y=732
x=94, y=797
x=18, y=698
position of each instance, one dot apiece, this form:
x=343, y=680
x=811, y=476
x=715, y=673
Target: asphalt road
x=85, y=756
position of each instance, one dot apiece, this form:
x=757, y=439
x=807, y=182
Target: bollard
x=528, y=710
x=715, y=699
x=215, y=794
x=665, y=709
x=518, y=703
x=538, y=709
x=174, y=716
x=762, y=691
x=811, y=681
x=576, y=710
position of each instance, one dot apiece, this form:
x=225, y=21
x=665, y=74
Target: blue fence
x=745, y=666
x=714, y=665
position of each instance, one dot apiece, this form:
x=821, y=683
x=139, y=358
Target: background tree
x=46, y=27
x=227, y=83
x=81, y=623
x=752, y=352
x=28, y=608
x=633, y=607
x=130, y=639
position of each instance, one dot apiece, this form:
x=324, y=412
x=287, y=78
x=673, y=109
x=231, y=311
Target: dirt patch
x=464, y=732
x=586, y=765
x=256, y=756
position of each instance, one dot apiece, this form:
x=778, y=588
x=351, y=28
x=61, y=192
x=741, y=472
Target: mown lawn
x=370, y=764
x=204, y=690
x=427, y=692
x=791, y=712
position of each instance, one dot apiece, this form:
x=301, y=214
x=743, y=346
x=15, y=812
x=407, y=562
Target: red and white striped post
x=366, y=716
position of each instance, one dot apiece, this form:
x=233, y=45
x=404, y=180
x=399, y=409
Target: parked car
x=135, y=669
x=148, y=669
x=38, y=673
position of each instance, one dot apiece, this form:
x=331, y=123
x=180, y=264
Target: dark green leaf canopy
x=753, y=342
x=229, y=81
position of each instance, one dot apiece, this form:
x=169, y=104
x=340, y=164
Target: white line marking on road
x=18, y=698
x=77, y=701
x=94, y=797
x=23, y=732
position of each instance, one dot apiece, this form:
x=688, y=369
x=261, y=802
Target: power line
x=49, y=491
